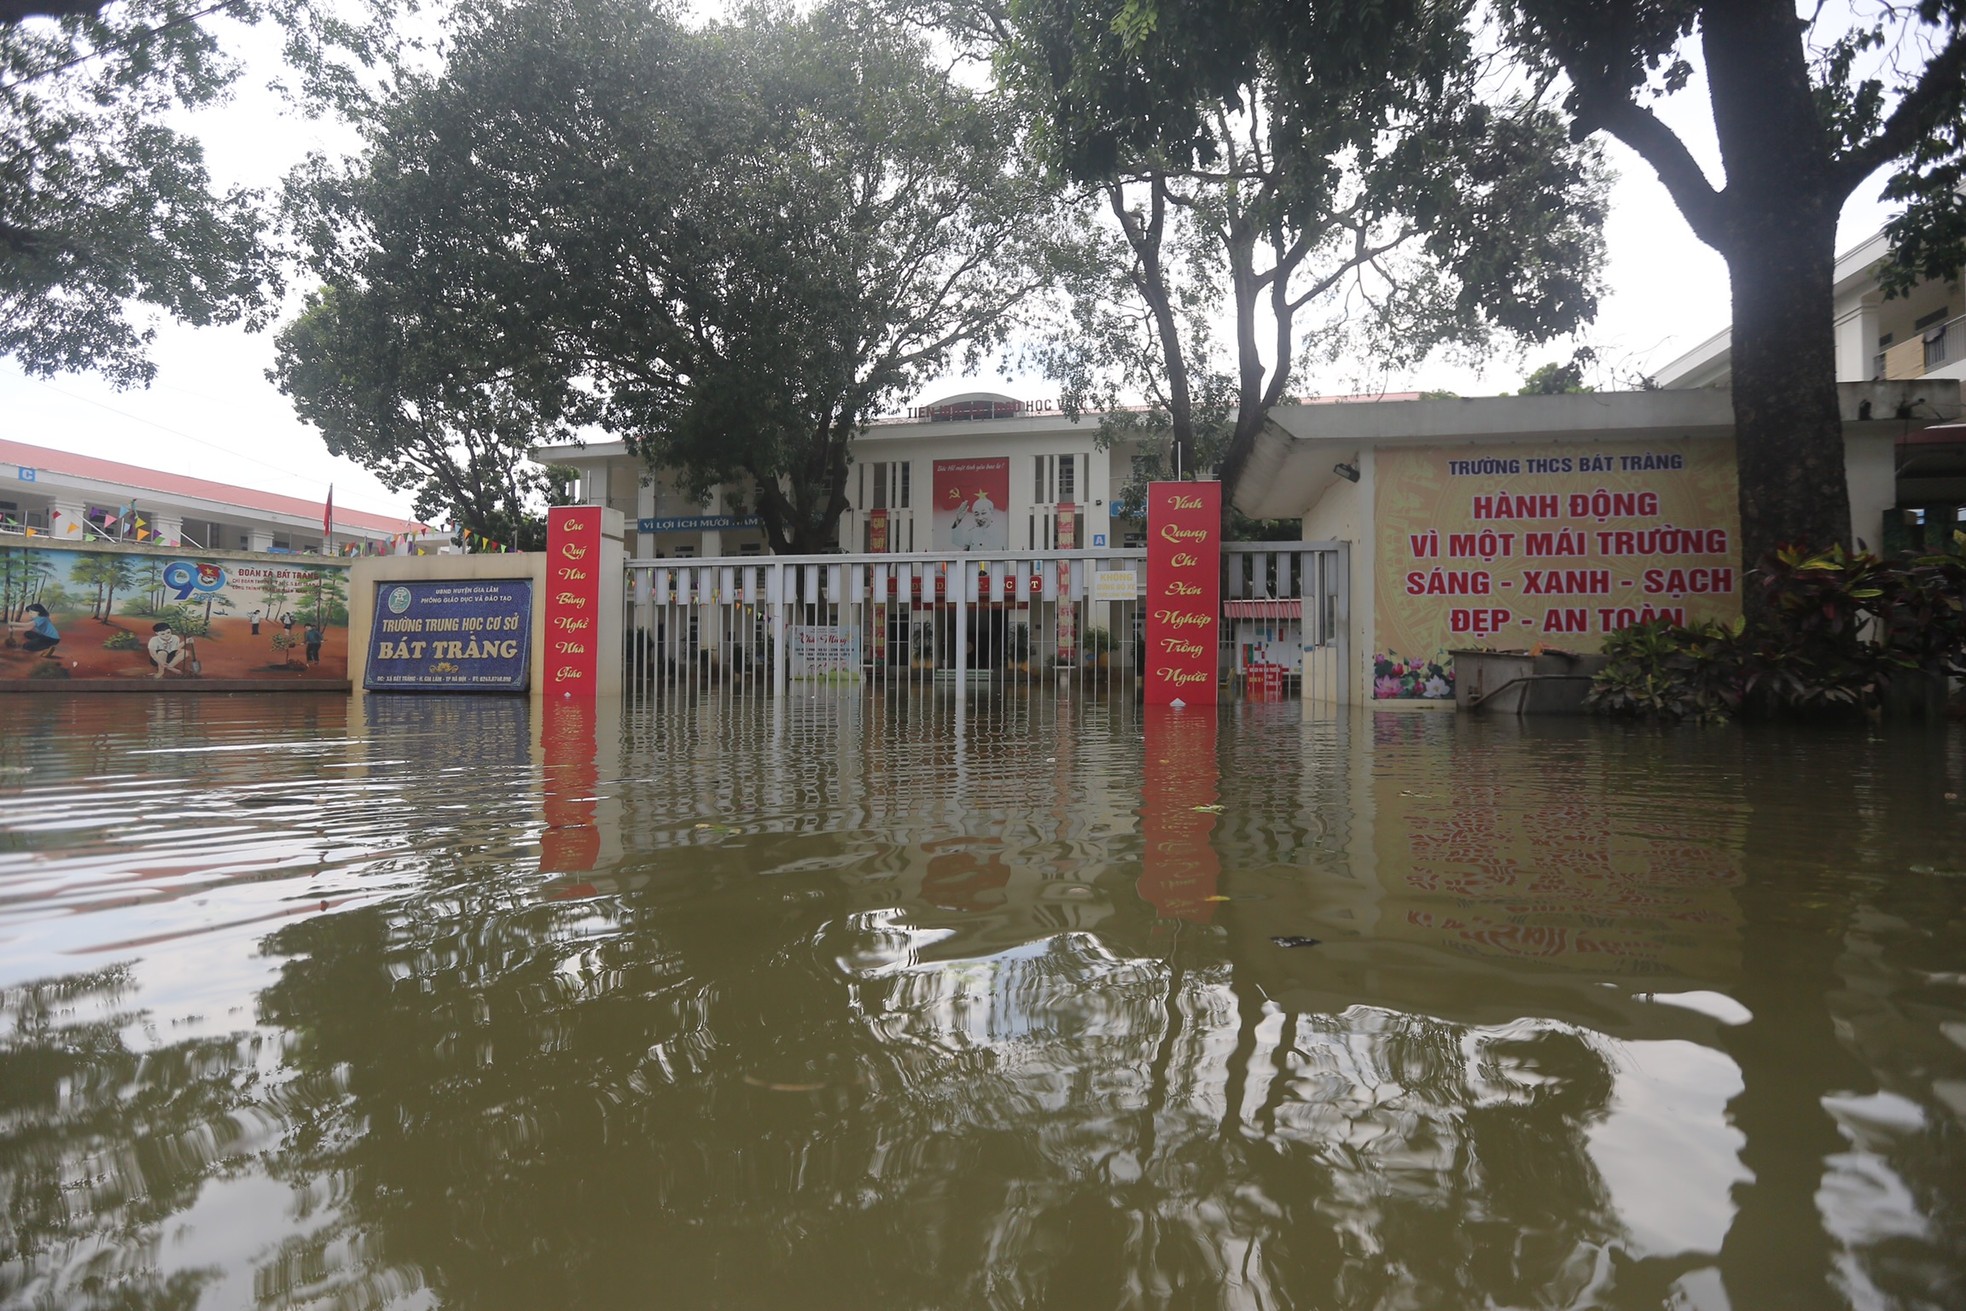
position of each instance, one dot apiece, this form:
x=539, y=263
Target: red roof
x=140, y=479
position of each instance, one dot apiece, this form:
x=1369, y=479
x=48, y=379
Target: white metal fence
x=972, y=624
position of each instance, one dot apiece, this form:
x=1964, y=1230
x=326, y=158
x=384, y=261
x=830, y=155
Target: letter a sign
x=1184, y=592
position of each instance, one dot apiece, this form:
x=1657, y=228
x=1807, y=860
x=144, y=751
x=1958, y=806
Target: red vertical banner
x=573, y=602
x=1177, y=814
x=571, y=843
x=877, y=532
x=1184, y=592
x=1068, y=526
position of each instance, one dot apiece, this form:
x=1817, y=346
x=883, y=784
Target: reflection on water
x=427, y=1003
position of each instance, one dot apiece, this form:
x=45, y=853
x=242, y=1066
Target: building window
x=1936, y=352
x=884, y=485
x=1056, y=478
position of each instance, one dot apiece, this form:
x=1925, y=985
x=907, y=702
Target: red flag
x=327, y=515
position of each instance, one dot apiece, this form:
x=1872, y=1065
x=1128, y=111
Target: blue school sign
x=466, y=635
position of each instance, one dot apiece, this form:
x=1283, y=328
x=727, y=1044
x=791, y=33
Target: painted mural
x=1550, y=546
x=128, y=612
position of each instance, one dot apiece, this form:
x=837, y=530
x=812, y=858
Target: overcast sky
x=211, y=412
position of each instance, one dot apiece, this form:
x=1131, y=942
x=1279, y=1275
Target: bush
x=122, y=640
x=1839, y=628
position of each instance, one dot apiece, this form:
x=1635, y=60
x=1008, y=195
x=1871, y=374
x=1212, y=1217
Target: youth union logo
x=185, y=577
x=399, y=600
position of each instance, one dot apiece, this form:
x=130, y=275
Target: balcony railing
x=1929, y=349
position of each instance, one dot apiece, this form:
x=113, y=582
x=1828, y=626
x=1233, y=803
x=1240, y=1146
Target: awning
x=1264, y=609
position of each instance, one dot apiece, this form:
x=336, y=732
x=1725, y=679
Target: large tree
x=735, y=242
x=109, y=217
x=1803, y=119
x=1327, y=169
x=429, y=391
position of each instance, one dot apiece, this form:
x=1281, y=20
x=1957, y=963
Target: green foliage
x=1804, y=115
x=122, y=640
x=1239, y=527
x=186, y=618
x=1836, y=629
x=733, y=244
x=1659, y=670
x=1335, y=170
x=322, y=594
x=107, y=211
x=1095, y=641
x=1555, y=379
x=414, y=383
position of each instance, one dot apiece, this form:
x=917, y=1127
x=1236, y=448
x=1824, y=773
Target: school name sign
x=452, y=636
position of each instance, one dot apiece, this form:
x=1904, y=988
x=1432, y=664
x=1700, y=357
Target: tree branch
x=1614, y=112
x=1937, y=91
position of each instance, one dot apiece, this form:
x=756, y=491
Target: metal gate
x=976, y=624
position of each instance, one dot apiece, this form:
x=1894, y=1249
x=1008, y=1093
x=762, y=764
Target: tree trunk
x=1787, y=426
x=1777, y=230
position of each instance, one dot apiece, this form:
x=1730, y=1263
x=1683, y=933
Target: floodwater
x=420, y=1003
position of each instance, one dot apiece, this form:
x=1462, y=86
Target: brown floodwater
x=421, y=1003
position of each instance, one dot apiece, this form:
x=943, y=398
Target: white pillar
x=1856, y=342
x=713, y=539
x=165, y=527
x=64, y=513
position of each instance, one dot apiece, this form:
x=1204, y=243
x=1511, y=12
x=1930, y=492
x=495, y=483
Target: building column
x=64, y=514
x=261, y=540
x=1856, y=342
x=1097, y=497
x=165, y=528
x=713, y=539
x=644, y=509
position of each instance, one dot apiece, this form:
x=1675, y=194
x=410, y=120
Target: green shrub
x=1837, y=628
x=122, y=640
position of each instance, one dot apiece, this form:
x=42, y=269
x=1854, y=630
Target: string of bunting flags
x=476, y=542
x=126, y=523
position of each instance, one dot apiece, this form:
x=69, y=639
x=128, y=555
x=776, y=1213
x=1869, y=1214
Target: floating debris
x=1210, y=810
x=1293, y=940
x=768, y=1085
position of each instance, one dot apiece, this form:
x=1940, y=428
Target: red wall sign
x=1184, y=592
x=573, y=602
x=972, y=500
